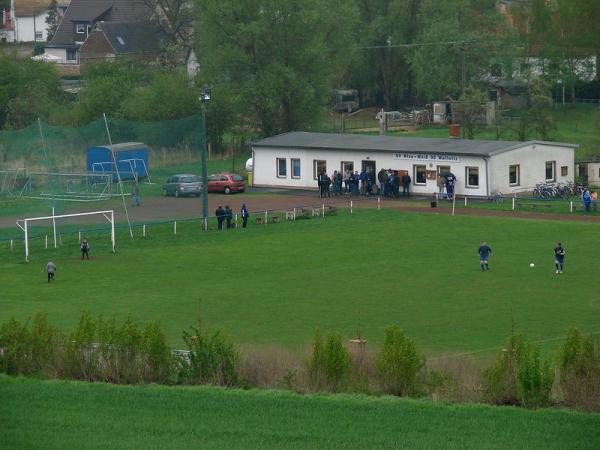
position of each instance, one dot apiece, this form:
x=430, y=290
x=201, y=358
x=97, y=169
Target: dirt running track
x=170, y=208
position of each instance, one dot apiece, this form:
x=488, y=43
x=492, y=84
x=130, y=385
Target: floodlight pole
x=204, y=97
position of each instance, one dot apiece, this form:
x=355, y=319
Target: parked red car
x=226, y=182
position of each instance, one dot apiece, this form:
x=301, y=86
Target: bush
x=454, y=378
x=14, y=348
x=398, y=364
x=579, y=363
x=337, y=363
x=80, y=356
x=29, y=350
x=329, y=363
x=212, y=359
x=519, y=377
x=534, y=379
x=316, y=363
x=157, y=359
x=119, y=349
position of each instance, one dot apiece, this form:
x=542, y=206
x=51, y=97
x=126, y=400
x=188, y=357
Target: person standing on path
x=484, y=253
x=135, y=194
x=321, y=183
x=441, y=184
x=406, y=184
x=245, y=215
x=587, y=200
x=220, y=213
x=50, y=270
x=228, y=216
x=450, y=182
x=382, y=178
x=85, y=249
x=559, y=258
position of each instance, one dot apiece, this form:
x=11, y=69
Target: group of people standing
x=349, y=182
x=355, y=183
x=225, y=216
x=446, y=181
x=390, y=182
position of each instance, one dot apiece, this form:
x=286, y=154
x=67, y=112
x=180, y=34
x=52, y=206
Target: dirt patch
x=171, y=208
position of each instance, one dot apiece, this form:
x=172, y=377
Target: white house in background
x=26, y=20
x=29, y=17
x=483, y=168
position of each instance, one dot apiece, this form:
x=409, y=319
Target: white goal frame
x=24, y=224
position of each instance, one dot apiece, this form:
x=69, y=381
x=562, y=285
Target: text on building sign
x=426, y=157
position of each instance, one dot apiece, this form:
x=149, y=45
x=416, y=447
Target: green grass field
x=47, y=414
x=276, y=284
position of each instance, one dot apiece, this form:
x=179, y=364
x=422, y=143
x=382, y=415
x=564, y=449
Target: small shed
x=129, y=158
x=588, y=172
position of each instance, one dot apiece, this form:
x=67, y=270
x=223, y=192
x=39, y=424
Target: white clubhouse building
x=482, y=168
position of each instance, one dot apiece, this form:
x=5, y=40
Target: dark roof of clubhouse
x=361, y=142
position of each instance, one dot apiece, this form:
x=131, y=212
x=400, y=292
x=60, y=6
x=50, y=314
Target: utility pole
x=204, y=97
x=463, y=70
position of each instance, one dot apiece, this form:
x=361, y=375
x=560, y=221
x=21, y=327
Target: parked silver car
x=182, y=184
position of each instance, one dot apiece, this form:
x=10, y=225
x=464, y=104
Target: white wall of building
x=26, y=27
x=58, y=52
x=265, y=167
x=531, y=161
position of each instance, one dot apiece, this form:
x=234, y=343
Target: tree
x=166, y=96
x=271, y=57
x=28, y=90
x=536, y=116
x=455, y=38
x=52, y=20
x=108, y=85
x=471, y=107
x=539, y=109
x=383, y=64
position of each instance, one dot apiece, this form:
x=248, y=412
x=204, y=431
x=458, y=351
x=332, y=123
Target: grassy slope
x=276, y=284
x=48, y=414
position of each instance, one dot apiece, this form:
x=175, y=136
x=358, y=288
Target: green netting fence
x=43, y=167
x=44, y=148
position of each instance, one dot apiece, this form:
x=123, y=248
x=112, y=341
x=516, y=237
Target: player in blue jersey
x=484, y=253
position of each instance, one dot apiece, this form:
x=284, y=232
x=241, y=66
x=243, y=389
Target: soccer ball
x=531, y=265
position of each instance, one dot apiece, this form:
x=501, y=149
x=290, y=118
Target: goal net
x=81, y=187
x=45, y=230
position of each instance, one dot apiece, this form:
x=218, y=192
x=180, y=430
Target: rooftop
x=127, y=37
x=27, y=8
x=359, y=142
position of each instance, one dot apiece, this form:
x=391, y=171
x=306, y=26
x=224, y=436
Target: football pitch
x=352, y=273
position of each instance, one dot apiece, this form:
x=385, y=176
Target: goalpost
x=24, y=225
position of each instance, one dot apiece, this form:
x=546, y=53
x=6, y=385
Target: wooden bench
x=260, y=220
x=289, y=215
